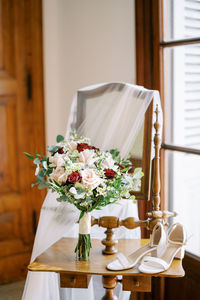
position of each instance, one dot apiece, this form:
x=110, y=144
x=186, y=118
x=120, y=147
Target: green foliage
x=42, y=185
x=37, y=161
x=125, y=169
x=59, y=138
x=62, y=198
x=53, y=149
x=28, y=155
x=81, y=215
x=115, y=153
x=83, y=247
x=79, y=187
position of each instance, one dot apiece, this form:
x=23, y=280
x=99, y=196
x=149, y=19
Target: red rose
x=60, y=151
x=83, y=146
x=121, y=167
x=109, y=173
x=73, y=178
x=131, y=170
x=94, y=148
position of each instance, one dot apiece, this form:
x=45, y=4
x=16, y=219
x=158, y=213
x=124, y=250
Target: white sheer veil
x=110, y=114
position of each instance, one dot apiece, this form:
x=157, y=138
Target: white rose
x=72, y=146
x=86, y=158
x=59, y=175
x=109, y=163
x=58, y=160
x=90, y=179
x=63, y=177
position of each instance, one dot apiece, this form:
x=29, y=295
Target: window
x=168, y=59
x=181, y=64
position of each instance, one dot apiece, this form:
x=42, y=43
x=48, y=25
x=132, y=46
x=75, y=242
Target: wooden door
x=21, y=129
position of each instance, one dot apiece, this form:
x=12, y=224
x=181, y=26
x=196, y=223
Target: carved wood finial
x=109, y=243
x=111, y=222
x=156, y=175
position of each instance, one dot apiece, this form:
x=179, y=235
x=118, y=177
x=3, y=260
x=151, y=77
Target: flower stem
x=83, y=246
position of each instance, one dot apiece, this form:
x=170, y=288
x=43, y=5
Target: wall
x=85, y=42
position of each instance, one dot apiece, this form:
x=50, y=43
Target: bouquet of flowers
x=86, y=177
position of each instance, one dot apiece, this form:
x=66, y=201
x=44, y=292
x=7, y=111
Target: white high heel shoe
x=157, y=244
x=175, y=249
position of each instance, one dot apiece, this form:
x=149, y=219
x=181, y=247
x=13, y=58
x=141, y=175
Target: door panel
x=7, y=38
x=21, y=129
x=8, y=171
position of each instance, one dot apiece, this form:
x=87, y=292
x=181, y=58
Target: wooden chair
x=153, y=217
x=77, y=274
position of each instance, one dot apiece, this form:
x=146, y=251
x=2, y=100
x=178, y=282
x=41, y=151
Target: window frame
x=150, y=45
x=149, y=73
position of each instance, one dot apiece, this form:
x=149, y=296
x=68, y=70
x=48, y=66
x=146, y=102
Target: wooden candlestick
x=156, y=175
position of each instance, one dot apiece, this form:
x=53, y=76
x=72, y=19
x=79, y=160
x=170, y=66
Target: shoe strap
x=160, y=247
x=177, y=243
x=151, y=243
x=170, y=229
x=154, y=262
x=123, y=260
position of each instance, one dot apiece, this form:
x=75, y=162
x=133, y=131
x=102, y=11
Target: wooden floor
x=12, y=291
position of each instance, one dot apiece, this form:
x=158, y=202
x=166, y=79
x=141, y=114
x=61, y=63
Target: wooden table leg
x=109, y=283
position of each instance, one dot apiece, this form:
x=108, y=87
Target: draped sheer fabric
x=111, y=115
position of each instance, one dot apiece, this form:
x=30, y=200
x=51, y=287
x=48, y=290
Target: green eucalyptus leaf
x=52, y=149
x=40, y=179
x=42, y=185
x=124, y=170
x=36, y=161
x=49, y=171
x=59, y=138
x=28, y=155
x=114, y=152
x=87, y=199
x=62, y=198
x=78, y=185
x=42, y=172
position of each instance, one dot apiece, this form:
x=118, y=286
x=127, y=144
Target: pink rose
x=90, y=179
x=86, y=157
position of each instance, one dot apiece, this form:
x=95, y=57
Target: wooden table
x=60, y=258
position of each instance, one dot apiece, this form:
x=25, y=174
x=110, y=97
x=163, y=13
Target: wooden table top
x=60, y=258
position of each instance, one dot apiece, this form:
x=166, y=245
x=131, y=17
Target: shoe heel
x=180, y=254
